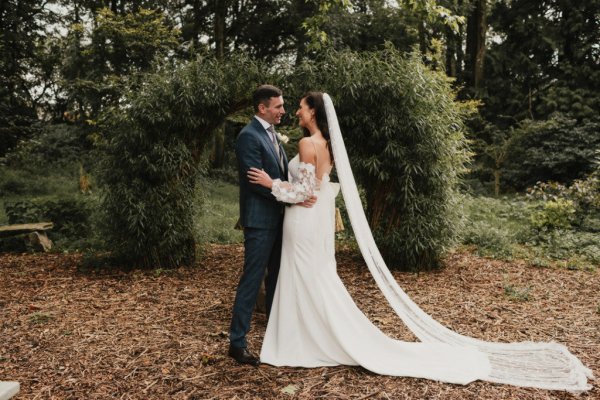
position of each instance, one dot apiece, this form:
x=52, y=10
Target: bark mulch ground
x=68, y=334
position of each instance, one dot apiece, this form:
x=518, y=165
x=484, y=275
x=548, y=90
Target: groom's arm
x=248, y=153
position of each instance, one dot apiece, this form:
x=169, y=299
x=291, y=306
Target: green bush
x=19, y=182
x=219, y=212
x=580, y=200
x=151, y=149
x=405, y=137
x=561, y=244
x=557, y=213
x=72, y=218
x=491, y=241
x=559, y=149
x=54, y=146
x=18, y=121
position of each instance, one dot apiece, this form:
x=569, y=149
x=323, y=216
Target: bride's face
x=305, y=114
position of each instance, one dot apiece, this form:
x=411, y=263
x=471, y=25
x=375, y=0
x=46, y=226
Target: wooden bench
x=8, y=389
x=36, y=233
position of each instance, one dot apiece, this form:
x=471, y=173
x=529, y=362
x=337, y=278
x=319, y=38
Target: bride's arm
x=300, y=191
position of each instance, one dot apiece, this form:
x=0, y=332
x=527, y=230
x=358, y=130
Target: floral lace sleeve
x=297, y=191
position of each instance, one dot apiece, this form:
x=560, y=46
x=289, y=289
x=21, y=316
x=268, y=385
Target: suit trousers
x=262, y=251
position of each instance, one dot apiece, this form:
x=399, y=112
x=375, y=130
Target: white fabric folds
x=530, y=364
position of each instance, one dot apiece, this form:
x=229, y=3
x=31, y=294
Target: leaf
x=290, y=389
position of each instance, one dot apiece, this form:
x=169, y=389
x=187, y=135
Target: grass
x=502, y=228
x=219, y=212
x=40, y=318
x=517, y=294
x=494, y=225
x=16, y=185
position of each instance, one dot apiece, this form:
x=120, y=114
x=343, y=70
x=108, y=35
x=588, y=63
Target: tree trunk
x=476, y=33
x=451, y=49
x=422, y=38
x=497, y=181
x=219, y=27
x=218, y=150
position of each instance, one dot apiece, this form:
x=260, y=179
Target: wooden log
x=19, y=229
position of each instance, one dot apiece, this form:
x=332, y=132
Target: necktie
x=273, y=135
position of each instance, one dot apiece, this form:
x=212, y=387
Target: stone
x=40, y=241
x=8, y=389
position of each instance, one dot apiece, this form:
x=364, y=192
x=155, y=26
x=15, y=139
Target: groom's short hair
x=263, y=94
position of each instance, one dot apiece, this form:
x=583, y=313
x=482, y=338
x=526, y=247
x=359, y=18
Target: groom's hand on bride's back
x=308, y=203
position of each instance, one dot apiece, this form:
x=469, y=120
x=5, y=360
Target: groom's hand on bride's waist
x=308, y=203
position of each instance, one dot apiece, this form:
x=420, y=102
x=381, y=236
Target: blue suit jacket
x=253, y=148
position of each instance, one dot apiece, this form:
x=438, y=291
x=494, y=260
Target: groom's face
x=273, y=111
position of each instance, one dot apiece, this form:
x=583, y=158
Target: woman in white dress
x=314, y=321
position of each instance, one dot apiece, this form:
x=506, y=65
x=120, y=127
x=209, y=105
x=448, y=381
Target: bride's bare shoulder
x=306, y=150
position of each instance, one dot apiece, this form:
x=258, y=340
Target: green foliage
x=583, y=195
x=545, y=62
x=496, y=226
x=23, y=68
x=555, y=214
x=56, y=146
x=17, y=123
x=561, y=244
x=510, y=228
x=559, y=149
x=490, y=241
x=405, y=137
x=102, y=62
x=18, y=182
x=71, y=216
x=151, y=151
x=219, y=212
x=517, y=294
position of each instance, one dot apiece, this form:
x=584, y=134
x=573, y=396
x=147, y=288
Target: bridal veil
x=532, y=364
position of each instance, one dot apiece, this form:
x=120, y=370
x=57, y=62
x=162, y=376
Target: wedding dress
x=314, y=321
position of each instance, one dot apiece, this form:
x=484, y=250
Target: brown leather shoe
x=243, y=356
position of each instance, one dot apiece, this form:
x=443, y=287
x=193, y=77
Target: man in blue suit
x=261, y=215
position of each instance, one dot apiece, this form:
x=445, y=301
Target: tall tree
x=476, y=46
x=26, y=66
x=104, y=57
x=547, y=61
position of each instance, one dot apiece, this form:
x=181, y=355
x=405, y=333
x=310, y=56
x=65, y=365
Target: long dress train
x=314, y=321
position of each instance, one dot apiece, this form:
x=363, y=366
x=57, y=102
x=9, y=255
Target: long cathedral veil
x=540, y=365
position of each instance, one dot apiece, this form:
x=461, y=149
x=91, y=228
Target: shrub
x=151, y=150
x=557, y=213
x=72, y=218
x=405, y=138
x=582, y=194
x=559, y=149
x=54, y=146
x=491, y=241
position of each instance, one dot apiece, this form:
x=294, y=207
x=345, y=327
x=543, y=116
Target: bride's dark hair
x=314, y=100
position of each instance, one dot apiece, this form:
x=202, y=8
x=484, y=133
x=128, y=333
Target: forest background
x=524, y=77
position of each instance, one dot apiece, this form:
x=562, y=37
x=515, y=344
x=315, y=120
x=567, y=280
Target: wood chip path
x=69, y=334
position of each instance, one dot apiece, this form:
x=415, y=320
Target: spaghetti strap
x=316, y=157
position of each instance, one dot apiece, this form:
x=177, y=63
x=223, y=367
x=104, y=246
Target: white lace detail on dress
x=299, y=189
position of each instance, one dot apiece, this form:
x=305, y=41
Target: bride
x=314, y=321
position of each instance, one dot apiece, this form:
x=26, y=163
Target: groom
x=260, y=215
